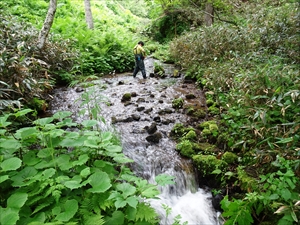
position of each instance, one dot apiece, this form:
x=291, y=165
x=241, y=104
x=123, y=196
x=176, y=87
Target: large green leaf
x=89, y=123
x=11, y=164
x=100, y=182
x=81, y=160
x=17, y=200
x=10, y=144
x=8, y=216
x=71, y=207
x=3, y=122
x=91, y=143
x=22, y=112
x=3, y=178
x=43, y=121
x=61, y=115
x=27, y=132
x=132, y=201
x=70, y=142
x=126, y=189
x=63, y=162
x=74, y=183
x=23, y=176
x=113, y=148
x=116, y=219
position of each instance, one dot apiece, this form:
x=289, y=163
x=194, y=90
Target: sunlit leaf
x=100, y=182
x=11, y=164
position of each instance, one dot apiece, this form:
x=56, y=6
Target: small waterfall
x=184, y=198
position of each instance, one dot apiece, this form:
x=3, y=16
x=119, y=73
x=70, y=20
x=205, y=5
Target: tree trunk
x=47, y=24
x=88, y=14
x=209, y=14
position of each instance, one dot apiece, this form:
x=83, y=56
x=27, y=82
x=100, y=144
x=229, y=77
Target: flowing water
x=151, y=102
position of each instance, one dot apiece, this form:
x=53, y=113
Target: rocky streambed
x=143, y=113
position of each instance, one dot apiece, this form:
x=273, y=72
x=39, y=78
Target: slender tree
x=47, y=24
x=88, y=14
x=209, y=14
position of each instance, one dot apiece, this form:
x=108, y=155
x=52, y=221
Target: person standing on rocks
x=139, y=55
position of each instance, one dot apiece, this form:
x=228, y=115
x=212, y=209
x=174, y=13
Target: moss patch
x=206, y=164
x=230, y=157
x=185, y=148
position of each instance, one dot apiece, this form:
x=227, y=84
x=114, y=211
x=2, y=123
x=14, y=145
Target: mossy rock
x=230, y=157
x=185, y=148
x=209, y=128
x=210, y=102
x=206, y=164
x=126, y=97
x=179, y=130
x=213, y=110
x=213, y=127
x=206, y=124
x=200, y=113
x=177, y=103
x=205, y=148
x=191, y=135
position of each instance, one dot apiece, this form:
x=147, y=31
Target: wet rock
x=114, y=120
x=160, y=101
x=128, y=119
x=140, y=108
x=133, y=94
x=152, y=129
x=152, y=95
x=136, y=117
x=121, y=82
x=184, y=86
x=190, y=96
x=140, y=100
x=167, y=121
x=127, y=103
x=157, y=119
x=148, y=110
x=163, y=96
x=126, y=97
x=165, y=111
x=188, y=81
x=151, y=75
x=154, y=138
x=79, y=89
x=216, y=202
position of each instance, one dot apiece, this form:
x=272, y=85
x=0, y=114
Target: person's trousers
x=139, y=66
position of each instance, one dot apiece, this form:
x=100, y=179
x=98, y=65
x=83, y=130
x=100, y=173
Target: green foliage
x=185, y=148
x=50, y=174
x=177, y=103
x=230, y=157
x=277, y=190
x=26, y=71
x=179, y=130
x=207, y=164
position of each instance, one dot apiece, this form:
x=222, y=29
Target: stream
x=144, y=123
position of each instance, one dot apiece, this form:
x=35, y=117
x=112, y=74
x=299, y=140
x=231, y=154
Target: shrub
x=50, y=174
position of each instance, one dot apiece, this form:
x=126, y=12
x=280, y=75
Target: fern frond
x=146, y=213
